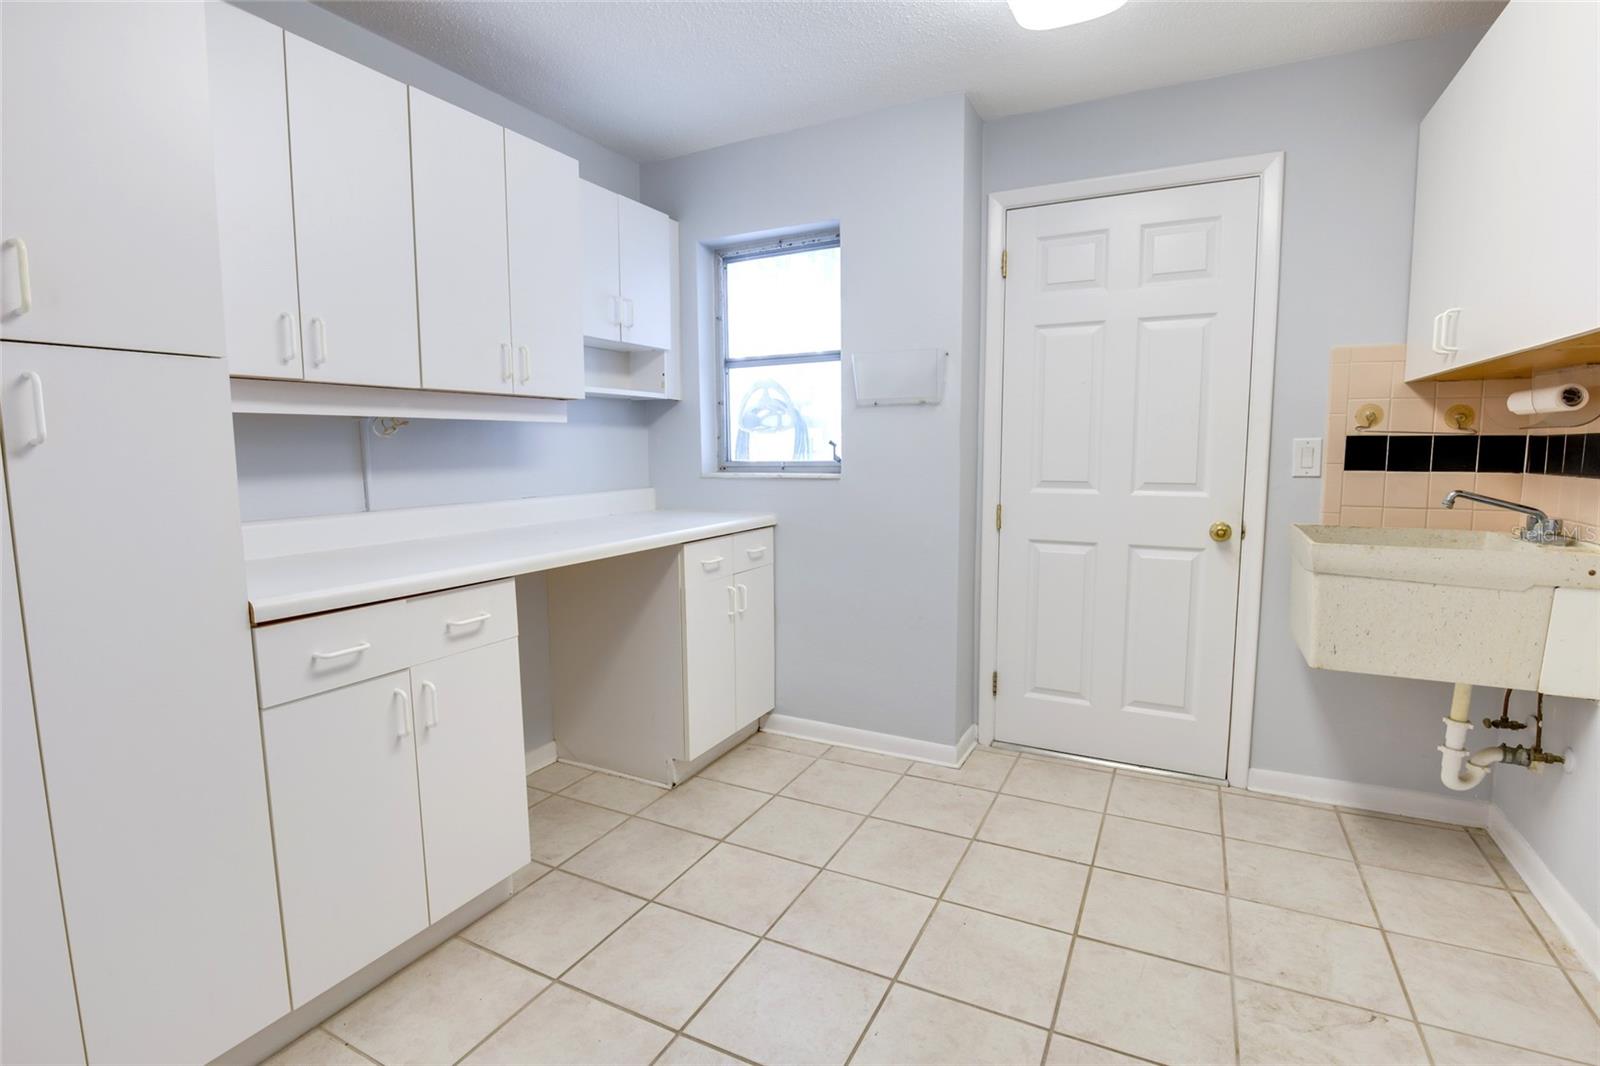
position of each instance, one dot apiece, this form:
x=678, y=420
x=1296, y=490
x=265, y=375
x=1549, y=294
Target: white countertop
x=286, y=586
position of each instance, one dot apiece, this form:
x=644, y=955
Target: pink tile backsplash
x=1375, y=374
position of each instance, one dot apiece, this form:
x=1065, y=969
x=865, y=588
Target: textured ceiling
x=659, y=79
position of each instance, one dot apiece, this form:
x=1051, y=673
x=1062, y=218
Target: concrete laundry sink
x=1448, y=605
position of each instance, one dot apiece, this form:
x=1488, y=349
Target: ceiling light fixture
x=1053, y=14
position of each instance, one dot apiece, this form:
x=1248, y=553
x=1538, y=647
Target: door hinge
x=994, y=683
x=1003, y=262
x=997, y=516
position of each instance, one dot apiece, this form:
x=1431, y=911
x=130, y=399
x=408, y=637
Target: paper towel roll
x=1551, y=399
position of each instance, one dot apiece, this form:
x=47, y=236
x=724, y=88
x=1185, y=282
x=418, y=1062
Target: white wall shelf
x=256, y=396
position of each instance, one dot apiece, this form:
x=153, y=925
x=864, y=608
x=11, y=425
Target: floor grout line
x=941, y=899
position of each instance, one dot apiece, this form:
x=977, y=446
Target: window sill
x=793, y=475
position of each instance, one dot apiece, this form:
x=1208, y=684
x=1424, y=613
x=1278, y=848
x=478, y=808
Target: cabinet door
x=126, y=523
x=1436, y=235
x=755, y=671
x=106, y=184
x=350, y=154
x=458, y=175
x=470, y=764
x=38, y=1011
x=255, y=212
x=709, y=619
x=343, y=773
x=646, y=250
x=601, y=306
x=544, y=231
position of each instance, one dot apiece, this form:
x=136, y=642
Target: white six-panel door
x=350, y=152
x=1125, y=402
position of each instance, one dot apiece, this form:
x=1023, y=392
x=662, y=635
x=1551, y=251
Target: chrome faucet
x=1539, y=528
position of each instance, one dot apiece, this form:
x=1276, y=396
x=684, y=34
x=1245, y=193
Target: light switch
x=1308, y=457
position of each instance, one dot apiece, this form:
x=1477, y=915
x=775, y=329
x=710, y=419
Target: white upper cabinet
x=1503, y=255
x=458, y=177
x=125, y=516
x=107, y=202
x=647, y=247
x=544, y=235
x=629, y=267
x=602, y=270
x=255, y=211
x=350, y=153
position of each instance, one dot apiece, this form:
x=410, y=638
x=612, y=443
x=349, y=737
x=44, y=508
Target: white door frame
x=1258, y=439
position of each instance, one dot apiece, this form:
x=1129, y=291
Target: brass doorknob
x=1221, y=531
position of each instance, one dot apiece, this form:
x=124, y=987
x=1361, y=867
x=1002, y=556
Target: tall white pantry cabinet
x=119, y=468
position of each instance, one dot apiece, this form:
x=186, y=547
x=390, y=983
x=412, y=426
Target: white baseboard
x=1460, y=810
x=540, y=757
x=866, y=740
x=1581, y=930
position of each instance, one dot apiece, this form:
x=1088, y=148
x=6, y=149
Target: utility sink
x=1448, y=605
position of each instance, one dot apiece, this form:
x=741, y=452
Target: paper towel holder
x=1565, y=398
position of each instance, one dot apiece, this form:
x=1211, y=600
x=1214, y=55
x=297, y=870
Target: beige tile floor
x=803, y=904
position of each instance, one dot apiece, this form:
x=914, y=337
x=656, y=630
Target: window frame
x=814, y=240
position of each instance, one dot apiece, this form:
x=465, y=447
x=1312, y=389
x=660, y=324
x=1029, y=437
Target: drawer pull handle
x=402, y=715
x=430, y=716
x=354, y=649
x=755, y=553
x=477, y=619
x=711, y=564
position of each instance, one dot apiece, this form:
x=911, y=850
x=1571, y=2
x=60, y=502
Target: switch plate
x=1308, y=457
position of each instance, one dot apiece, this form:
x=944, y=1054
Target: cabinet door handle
x=354, y=649
x=523, y=361
x=1434, y=343
x=614, y=310
x=24, y=277
x=505, y=363
x=627, y=305
x=430, y=715
x=733, y=607
x=291, y=337
x=319, y=335
x=36, y=386
x=744, y=597
x=453, y=623
x=402, y=714
x=1447, y=339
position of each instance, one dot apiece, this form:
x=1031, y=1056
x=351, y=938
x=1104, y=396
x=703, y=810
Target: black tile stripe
x=1563, y=455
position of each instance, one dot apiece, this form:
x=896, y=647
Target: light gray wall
x=871, y=604
x=1348, y=128
x=1557, y=812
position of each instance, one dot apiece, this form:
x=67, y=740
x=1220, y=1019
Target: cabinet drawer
x=308, y=655
x=461, y=619
x=708, y=559
x=752, y=549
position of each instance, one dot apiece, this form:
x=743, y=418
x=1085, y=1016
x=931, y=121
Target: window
x=778, y=344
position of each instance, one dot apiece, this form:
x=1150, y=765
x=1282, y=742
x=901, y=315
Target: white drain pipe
x=1457, y=768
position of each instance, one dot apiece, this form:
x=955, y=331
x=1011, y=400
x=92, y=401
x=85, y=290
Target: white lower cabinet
x=343, y=774
x=755, y=661
x=125, y=522
x=658, y=657
x=470, y=764
x=396, y=798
